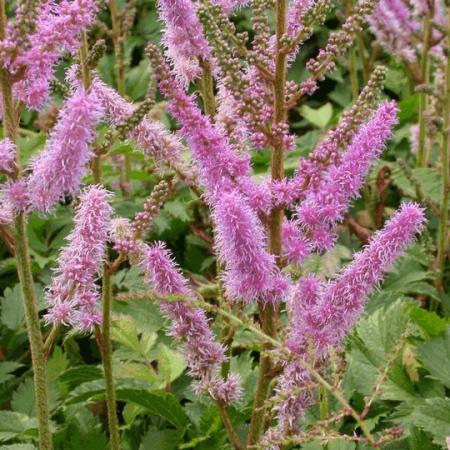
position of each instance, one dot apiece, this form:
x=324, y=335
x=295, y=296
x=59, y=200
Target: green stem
x=118, y=47
x=234, y=438
x=206, y=86
x=421, y=157
x=269, y=312
x=324, y=408
x=443, y=219
x=107, y=362
x=10, y=128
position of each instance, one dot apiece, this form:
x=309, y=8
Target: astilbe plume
x=73, y=296
x=58, y=28
x=190, y=326
x=394, y=27
x=324, y=207
x=7, y=155
x=149, y=135
x=57, y=171
x=323, y=313
x=183, y=37
x=250, y=270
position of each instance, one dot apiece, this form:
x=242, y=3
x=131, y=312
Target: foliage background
x=157, y=407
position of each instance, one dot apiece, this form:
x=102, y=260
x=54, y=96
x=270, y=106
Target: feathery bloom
x=7, y=155
x=322, y=313
x=296, y=247
x=342, y=301
x=58, y=27
x=324, y=208
x=189, y=325
x=149, y=135
x=183, y=37
x=73, y=296
x=58, y=170
x=250, y=269
x=393, y=25
x=15, y=193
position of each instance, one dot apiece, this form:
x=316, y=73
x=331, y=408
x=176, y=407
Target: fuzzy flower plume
x=58, y=170
x=57, y=29
x=190, y=325
x=342, y=302
x=73, y=296
x=322, y=313
x=221, y=169
x=394, y=27
x=150, y=136
x=250, y=269
x=324, y=208
x=183, y=37
x=7, y=155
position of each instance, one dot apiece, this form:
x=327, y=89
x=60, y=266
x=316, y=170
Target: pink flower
x=58, y=170
x=73, y=290
x=7, y=155
x=190, y=325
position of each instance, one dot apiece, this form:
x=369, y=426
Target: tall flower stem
x=234, y=438
x=443, y=218
x=269, y=312
x=11, y=126
x=119, y=67
x=206, y=87
x=421, y=154
x=107, y=361
x=104, y=335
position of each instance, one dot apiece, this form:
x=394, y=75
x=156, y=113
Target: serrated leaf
x=171, y=364
x=430, y=322
x=158, y=403
x=57, y=364
x=145, y=314
x=319, y=117
x=376, y=337
x=81, y=374
x=156, y=439
x=124, y=331
x=435, y=356
x=18, y=447
x=433, y=416
x=6, y=370
x=23, y=398
x=13, y=424
x=12, y=314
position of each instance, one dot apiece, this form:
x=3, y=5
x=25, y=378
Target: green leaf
x=158, y=403
x=376, y=337
x=81, y=374
x=57, y=364
x=124, y=331
x=13, y=424
x=171, y=364
x=7, y=369
x=433, y=416
x=23, y=398
x=435, y=356
x=156, y=439
x=145, y=314
x=12, y=314
x=319, y=117
x=428, y=321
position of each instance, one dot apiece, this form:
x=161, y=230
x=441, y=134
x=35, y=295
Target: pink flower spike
x=7, y=155
x=57, y=171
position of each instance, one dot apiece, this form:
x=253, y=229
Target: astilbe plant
x=264, y=228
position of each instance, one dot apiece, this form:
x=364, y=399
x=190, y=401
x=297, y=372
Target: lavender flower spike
x=250, y=269
x=183, y=37
x=323, y=208
x=342, y=301
x=73, y=296
x=190, y=326
x=58, y=170
x=7, y=155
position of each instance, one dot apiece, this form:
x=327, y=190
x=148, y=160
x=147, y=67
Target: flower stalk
x=10, y=128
